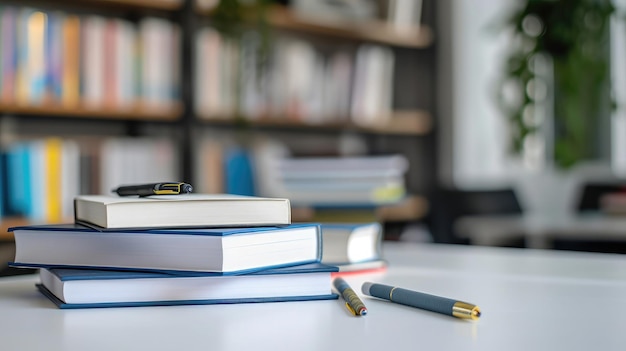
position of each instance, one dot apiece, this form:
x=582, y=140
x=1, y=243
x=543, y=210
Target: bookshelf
x=169, y=5
x=410, y=124
x=138, y=111
x=367, y=31
x=374, y=31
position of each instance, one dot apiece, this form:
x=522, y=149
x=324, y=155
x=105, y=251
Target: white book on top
x=190, y=210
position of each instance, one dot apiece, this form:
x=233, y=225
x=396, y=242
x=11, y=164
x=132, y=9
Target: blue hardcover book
x=227, y=251
x=87, y=288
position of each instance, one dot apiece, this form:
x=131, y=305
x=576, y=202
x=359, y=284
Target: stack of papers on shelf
x=180, y=261
x=339, y=181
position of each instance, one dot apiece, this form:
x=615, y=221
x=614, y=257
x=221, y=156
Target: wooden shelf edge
x=8, y=222
x=400, y=123
x=377, y=31
x=373, y=31
x=412, y=208
x=139, y=111
x=170, y=5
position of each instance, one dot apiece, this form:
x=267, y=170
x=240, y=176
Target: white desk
x=531, y=300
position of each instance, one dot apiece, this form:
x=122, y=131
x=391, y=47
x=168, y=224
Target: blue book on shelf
x=18, y=179
x=225, y=251
x=86, y=288
x=54, y=59
x=239, y=172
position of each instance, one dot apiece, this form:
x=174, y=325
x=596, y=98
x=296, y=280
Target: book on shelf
x=87, y=288
x=353, y=247
x=354, y=181
x=219, y=250
x=134, y=161
x=190, y=210
x=404, y=15
x=43, y=176
x=55, y=58
x=300, y=82
x=46, y=174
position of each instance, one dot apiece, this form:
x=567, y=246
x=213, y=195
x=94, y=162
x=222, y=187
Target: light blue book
x=227, y=251
x=239, y=172
x=18, y=179
x=86, y=288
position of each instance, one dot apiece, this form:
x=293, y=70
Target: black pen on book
x=165, y=188
x=353, y=303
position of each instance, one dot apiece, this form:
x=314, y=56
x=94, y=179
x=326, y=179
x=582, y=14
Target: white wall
x=472, y=52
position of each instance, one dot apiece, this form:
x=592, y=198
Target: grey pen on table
x=423, y=301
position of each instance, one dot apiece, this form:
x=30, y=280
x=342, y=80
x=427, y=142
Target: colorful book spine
x=54, y=56
x=36, y=63
x=18, y=178
x=71, y=61
x=53, y=149
x=8, y=36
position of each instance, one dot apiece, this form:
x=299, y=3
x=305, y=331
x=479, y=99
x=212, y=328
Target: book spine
x=93, y=60
x=71, y=31
x=9, y=47
x=52, y=168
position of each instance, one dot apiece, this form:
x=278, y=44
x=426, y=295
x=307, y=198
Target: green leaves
x=574, y=34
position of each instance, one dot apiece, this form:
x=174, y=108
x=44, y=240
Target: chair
x=450, y=204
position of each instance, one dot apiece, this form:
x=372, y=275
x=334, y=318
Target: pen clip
x=351, y=309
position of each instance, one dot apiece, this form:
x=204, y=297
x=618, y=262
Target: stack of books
x=173, y=250
x=355, y=181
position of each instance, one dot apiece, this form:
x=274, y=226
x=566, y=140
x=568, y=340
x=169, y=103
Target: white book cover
x=404, y=14
x=155, y=34
x=136, y=161
x=125, y=37
x=38, y=185
x=373, y=85
x=93, y=60
x=207, y=76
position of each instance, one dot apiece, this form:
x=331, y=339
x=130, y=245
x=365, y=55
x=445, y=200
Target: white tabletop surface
x=530, y=299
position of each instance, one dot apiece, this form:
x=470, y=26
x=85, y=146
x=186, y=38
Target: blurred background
x=481, y=122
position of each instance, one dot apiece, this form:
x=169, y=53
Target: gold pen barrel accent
x=465, y=310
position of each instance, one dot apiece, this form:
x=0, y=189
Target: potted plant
x=556, y=96
x=558, y=73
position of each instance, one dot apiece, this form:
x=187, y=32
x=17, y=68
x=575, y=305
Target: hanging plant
x=233, y=19
x=570, y=38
